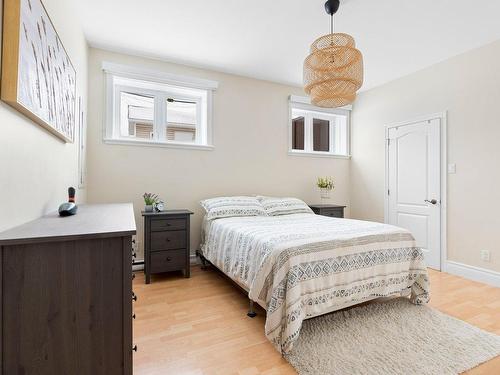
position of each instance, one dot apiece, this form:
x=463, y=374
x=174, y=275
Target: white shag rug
x=390, y=337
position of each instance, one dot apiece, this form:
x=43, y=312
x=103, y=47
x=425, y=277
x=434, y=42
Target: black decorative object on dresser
x=166, y=242
x=331, y=210
x=66, y=291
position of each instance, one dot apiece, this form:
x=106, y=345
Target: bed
x=298, y=266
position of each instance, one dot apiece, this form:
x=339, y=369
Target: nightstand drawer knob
x=167, y=239
x=133, y=316
x=134, y=297
x=169, y=259
x=134, y=348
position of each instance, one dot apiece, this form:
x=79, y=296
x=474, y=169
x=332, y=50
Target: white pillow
x=220, y=207
x=284, y=206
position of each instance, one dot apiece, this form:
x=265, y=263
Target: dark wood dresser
x=66, y=291
x=166, y=242
x=331, y=210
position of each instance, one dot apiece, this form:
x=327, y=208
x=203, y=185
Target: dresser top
x=91, y=221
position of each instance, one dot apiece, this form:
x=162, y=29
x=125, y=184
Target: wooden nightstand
x=166, y=242
x=331, y=210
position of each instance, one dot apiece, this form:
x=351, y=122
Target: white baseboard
x=193, y=259
x=482, y=275
x=137, y=267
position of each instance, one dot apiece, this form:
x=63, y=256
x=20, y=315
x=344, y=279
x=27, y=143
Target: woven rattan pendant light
x=333, y=72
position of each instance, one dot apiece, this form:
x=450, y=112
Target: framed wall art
x=82, y=140
x=38, y=78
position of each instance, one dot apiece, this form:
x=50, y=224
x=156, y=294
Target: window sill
x=179, y=145
x=317, y=154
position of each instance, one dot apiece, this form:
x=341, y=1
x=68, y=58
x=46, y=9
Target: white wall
x=250, y=156
x=468, y=87
x=36, y=168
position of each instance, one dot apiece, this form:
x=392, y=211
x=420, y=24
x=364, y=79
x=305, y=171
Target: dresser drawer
x=164, y=261
x=168, y=240
x=168, y=224
x=333, y=213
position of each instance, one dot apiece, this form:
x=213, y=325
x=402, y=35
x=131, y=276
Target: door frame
x=443, y=116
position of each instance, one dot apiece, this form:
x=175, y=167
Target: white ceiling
x=269, y=39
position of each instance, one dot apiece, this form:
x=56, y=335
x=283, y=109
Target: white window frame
x=303, y=105
x=170, y=85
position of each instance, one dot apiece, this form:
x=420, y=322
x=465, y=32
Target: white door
x=414, y=194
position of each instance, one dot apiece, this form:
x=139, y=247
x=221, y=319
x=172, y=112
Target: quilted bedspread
x=304, y=265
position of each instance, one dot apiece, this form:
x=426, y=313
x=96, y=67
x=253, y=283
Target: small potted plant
x=325, y=186
x=150, y=200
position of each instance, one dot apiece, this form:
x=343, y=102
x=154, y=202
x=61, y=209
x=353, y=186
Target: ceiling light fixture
x=333, y=72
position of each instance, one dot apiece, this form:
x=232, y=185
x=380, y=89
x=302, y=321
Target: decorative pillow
x=217, y=208
x=284, y=206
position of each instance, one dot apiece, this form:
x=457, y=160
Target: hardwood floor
x=199, y=325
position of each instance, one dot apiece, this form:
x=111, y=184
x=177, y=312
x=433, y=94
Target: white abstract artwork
x=46, y=77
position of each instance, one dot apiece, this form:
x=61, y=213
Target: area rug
x=390, y=337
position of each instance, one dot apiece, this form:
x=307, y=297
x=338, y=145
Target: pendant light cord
x=331, y=24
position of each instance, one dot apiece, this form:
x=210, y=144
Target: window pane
x=341, y=135
x=298, y=133
x=136, y=115
x=181, y=120
x=321, y=135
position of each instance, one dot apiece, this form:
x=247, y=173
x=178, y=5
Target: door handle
x=432, y=201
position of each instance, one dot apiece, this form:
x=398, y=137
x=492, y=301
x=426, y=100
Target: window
x=181, y=120
x=152, y=108
x=318, y=131
x=298, y=132
x=136, y=115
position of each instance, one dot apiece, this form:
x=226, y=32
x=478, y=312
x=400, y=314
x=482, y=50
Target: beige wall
x=36, y=168
x=250, y=156
x=468, y=87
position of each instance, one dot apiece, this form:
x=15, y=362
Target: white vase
x=148, y=208
x=324, y=193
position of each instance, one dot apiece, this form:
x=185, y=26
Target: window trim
x=112, y=71
x=300, y=103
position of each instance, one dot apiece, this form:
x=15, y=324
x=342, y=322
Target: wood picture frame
x=38, y=77
x=82, y=144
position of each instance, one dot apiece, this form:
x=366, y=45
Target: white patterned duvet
x=303, y=265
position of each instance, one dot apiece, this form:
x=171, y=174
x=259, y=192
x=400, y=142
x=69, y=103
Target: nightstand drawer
x=333, y=213
x=169, y=240
x=168, y=224
x=330, y=210
x=164, y=261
